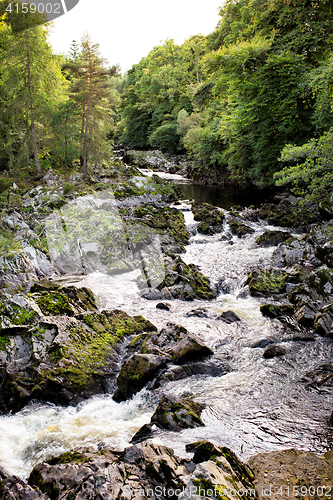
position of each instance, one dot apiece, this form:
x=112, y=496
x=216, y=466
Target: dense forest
x=251, y=103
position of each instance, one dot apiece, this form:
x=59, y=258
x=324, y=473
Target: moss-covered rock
x=166, y=219
x=67, y=359
x=185, y=281
x=175, y=414
x=276, y=310
x=239, y=229
x=209, y=217
x=289, y=214
x=203, y=228
x=272, y=238
x=266, y=282
x=321, y=281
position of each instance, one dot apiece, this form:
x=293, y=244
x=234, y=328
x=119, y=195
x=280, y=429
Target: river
x=259, y=405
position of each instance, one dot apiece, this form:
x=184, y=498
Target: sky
x=128, y=29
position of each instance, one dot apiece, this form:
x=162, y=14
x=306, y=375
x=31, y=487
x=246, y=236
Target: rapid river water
x=259, y=405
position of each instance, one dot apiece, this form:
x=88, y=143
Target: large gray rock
x=142, y=471
x=291, y=473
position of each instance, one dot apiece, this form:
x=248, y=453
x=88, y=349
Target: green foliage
x=262, y=79
x=165, y=137
x=309, y=170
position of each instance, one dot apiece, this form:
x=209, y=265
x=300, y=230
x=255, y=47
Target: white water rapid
x=259, y=405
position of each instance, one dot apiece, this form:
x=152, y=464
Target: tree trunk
x=33, y=130
x=86, y=131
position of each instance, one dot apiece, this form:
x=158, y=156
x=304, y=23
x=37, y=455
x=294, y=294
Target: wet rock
x=209, y=368
x=199, y=313
x=164, y=306
x=304, y=337
x=276, y=310
x=61, y=358
x=305, y=313
x=185, y=282
x=239, y=229
x=295, y=251
x=148, y=354
x=14, y=488
x=323, y=322
x=321, y=236
x=277, y=470
x=229, y=317
x=177, y=343
x=210, y=218
x=137, y=472
x=320, y=376
x=205, y=451
x=262, y=343
x=272, y=238
x=321, y=281
x=153, y=294
x=274, y=351
x=145, y=432
x=175, y=414
x=135, y=372
x=203, y=228
x=290, y=213
x=267, y=281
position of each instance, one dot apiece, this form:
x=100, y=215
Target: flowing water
x=259, y=405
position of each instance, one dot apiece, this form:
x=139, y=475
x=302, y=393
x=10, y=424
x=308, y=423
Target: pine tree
x=92, y=90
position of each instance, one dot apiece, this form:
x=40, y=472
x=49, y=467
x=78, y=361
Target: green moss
x=54, y=303
x=68, y=458
x=239, y=228
x=266, y=282
x=164, y=219
x=4, y=342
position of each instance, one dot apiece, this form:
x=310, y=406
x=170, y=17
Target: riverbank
x=50, y=349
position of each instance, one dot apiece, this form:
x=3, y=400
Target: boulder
x=239, y=229
x=277, y=472
x=164, y=306
x=261, y=344
x=295, y=251
x=267, y=281
x=198, y=313
x=185, y=281
x=272, y=238
x=63, y=357
x=178, y=344
x=172, y=414
x=305, y=313
x=144, y=470
x=135, y=372
x=274, y=351
x=323, y=321
x=209, y=217
x=148, y=353
x=276, y=310
x=229, y=317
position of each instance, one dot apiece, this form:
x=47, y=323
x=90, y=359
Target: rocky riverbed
x=60, y=345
